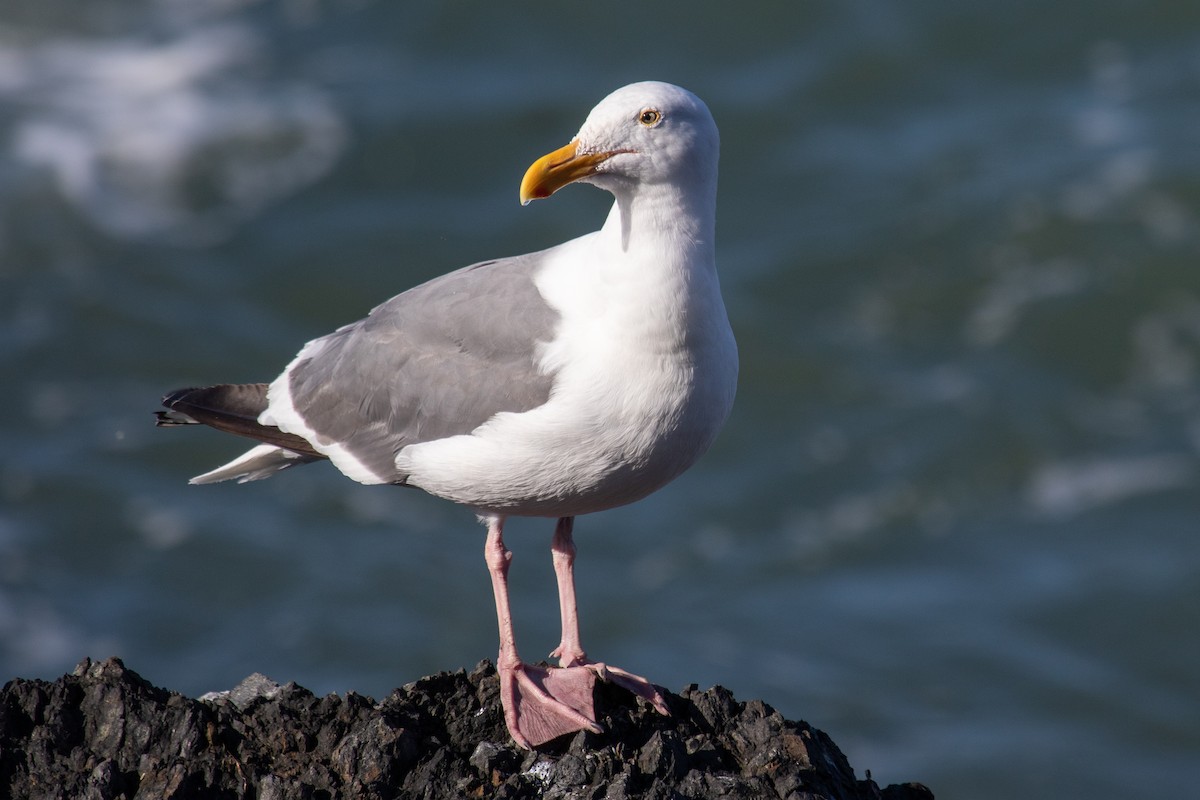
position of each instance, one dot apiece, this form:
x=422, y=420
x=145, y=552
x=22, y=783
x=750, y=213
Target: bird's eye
x=650, y=117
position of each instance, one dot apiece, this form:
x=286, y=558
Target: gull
x=558, y=383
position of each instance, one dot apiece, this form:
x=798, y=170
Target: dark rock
x=104, y=733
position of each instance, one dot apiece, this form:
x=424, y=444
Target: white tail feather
x=255, y=464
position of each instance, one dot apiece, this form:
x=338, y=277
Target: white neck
x=665, y=218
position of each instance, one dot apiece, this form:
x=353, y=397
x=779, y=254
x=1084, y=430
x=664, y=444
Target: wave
x=174, y=136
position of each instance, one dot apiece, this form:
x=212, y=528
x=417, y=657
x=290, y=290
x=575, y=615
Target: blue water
x=954, y=518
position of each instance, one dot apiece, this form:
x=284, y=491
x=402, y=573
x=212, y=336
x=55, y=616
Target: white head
x=641, y=134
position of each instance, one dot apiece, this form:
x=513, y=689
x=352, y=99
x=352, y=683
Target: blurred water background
x=955, y=518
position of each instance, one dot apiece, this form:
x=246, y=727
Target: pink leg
x=562, y=549
x=569, y=651
x=539, y=704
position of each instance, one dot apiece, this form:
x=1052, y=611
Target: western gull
x=553, y=384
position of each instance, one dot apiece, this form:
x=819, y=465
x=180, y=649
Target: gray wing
x=438, y=360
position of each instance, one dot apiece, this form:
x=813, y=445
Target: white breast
x=645, y=369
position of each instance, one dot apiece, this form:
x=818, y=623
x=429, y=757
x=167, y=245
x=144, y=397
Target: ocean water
x=954, y=519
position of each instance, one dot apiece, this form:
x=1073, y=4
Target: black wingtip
x=233, y=408
x=168, y=419
x=171, y=398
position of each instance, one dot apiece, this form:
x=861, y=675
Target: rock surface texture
x=104, y=732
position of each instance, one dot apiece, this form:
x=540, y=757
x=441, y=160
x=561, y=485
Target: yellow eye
x=650, y=117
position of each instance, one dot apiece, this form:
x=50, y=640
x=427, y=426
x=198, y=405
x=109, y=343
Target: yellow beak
x=555, y=170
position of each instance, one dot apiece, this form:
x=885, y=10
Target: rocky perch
x=104, y=732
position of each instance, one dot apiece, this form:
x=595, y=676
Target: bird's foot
x=626, y=680
x=541, y=704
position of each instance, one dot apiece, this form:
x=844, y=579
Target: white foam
x=1066, y=489
x=129, y=128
